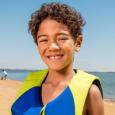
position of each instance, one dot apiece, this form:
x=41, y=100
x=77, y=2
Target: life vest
x=70, y=102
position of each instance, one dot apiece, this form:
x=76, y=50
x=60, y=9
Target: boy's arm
x=94, y=102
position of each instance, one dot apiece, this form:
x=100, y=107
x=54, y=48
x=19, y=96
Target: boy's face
x=56, y=45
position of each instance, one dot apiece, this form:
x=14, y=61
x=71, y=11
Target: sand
x=9, y=89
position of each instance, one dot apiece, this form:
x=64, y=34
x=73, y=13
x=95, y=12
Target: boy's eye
x=43, y=40
x=63, y=38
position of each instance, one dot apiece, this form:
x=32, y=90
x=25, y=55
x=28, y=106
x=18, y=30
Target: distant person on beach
x=5, y=75
x=59, y=90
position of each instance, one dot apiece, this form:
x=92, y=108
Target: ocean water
x=107, y=80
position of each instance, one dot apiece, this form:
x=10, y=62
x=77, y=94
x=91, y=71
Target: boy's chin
x=57, y=68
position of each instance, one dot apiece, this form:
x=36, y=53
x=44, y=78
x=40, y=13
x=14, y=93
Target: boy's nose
x=53, y=46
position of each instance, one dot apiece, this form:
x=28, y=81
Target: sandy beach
x=9, y=89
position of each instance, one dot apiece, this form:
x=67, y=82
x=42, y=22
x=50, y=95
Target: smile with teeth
x=55, y=57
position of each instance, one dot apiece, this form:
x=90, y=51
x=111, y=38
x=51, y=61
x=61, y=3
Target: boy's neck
x=56, y=77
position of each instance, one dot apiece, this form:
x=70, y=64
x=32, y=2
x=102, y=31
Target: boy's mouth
x=55, y=57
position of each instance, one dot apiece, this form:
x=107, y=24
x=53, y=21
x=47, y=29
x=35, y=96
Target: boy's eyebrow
x=43, y=35
x=61, y=33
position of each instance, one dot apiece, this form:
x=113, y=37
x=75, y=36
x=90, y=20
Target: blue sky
x=18, y=51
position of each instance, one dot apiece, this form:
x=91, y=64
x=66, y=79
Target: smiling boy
x=60, y=90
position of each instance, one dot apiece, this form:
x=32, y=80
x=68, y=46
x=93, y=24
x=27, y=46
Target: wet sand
x=9, y=89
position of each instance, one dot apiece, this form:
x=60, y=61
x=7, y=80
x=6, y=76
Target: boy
x=60, y=90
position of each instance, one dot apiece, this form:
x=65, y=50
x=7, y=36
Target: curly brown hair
x=62, y=13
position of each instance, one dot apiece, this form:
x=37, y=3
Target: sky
x=18, y=51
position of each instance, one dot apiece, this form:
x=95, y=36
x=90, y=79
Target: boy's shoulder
x=80, y=87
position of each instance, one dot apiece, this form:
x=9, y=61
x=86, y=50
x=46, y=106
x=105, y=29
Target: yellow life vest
x=77, y=90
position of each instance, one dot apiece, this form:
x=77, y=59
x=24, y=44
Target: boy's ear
x=78, y=43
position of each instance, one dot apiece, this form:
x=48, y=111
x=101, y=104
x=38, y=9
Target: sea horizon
x=107, y=79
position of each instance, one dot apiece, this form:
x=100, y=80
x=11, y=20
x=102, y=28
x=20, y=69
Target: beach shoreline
x=9, y=89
